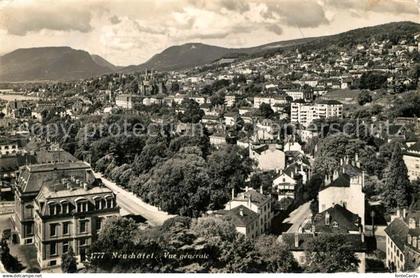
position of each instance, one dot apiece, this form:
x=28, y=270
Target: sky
x=127, y=32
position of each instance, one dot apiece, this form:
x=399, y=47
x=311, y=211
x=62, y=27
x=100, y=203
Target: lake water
x=11, y=97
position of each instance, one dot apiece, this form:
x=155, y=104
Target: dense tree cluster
x=372, y=81
x=181, y=174
x=209, y=244
x=192, y=112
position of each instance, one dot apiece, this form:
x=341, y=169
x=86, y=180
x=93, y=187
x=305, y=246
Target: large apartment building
x=304, y=113
x=58, y=206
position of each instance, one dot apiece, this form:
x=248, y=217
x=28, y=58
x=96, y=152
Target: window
x=83, y=226
x=82, y=206
x=65, y=247
x=53, y=248
x=29, y=229
x=98, y=204
x=66, y=228
x=66, y=208
x=57, y=209
x=82, y=242
x=53, y=229
x=98, y=223
x=52, y=209
x=109, y=203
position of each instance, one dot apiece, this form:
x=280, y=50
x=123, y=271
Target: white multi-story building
x=257, y=202
x=269, y=157
x=344, y=189
x=295, y=94
x=273, y=101
x=230, y=100
x=127, y=101
x=9, y=147
x=304, y=113
x=412, y=161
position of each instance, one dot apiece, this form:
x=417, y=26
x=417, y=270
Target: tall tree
x=364, y=97
x=68, y=262
x=397, y=183
x=266, y=111
x=192, y=112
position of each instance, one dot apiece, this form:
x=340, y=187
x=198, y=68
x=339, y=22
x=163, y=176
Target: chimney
x=241, y=212
x=261, y=190
x=404, y=213
x=356, y=157
x=85, y=186
x=362, y=235
x=327, y=218
x=398, y=212
x=233, y=193
x=296, y=240
x=341, y=162
x=249, y=202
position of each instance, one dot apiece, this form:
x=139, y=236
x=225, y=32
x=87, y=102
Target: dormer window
x=54, y=208
x=109, y=202
x=66, y=207
x=98, y=204
x=82, y=205
x=335, y=224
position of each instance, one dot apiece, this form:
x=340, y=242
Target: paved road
x=298, y=216
x=133, y=204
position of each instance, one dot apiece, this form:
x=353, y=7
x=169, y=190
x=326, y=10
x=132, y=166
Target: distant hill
x=104, y=63
x=197, y=54
x=51, y=63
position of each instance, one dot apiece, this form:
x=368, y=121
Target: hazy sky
x=131, y=31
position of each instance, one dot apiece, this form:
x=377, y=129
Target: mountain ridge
x=66, y=63
x=50, y=63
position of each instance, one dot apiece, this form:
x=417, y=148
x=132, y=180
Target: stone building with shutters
x=58, y=206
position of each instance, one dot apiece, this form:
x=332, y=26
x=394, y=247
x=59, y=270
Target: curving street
x=132, y=204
